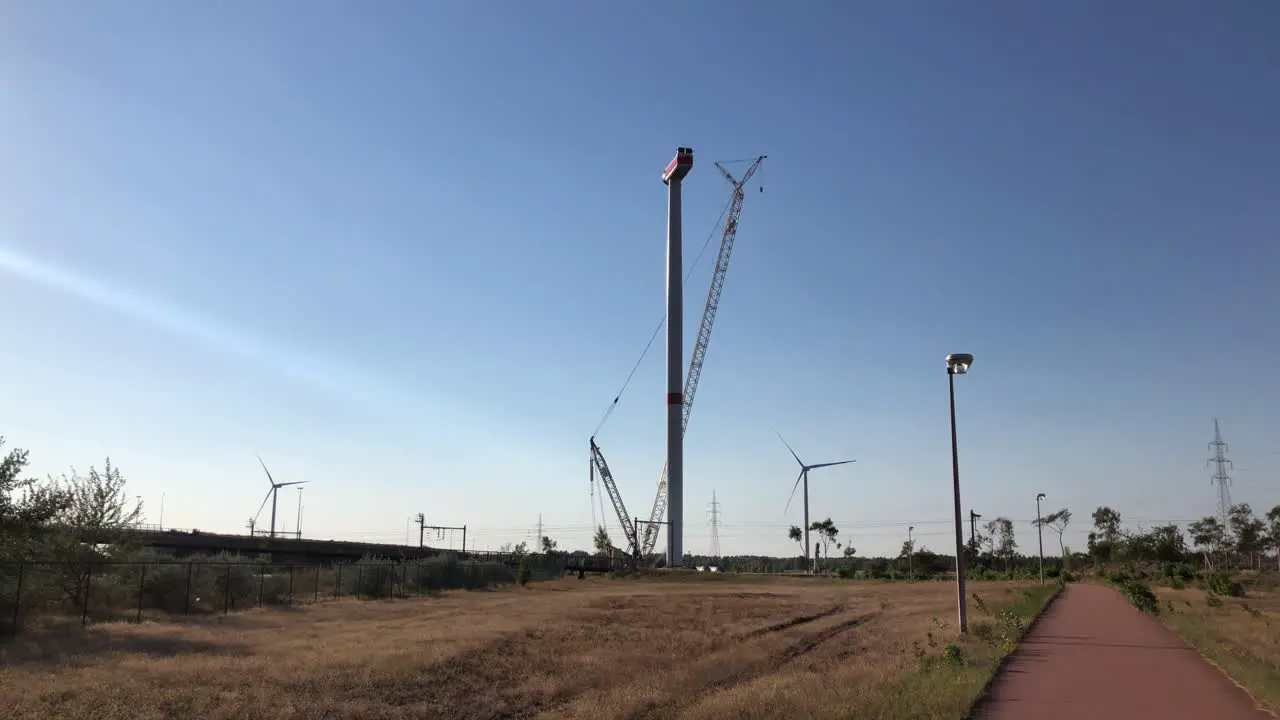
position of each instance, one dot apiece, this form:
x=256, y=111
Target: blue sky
x=410, y=253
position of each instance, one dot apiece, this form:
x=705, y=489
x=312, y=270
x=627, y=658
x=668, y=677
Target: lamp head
x=1040, y=496
x=958, y=363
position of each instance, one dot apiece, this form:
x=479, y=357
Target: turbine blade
x=793, y=492
x=268, y=472
x=793, y=452
x=295, y=482
x=822, y=465
x=264, y=503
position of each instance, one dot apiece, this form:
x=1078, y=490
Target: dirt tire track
x=811, y=643
x=794, y=651
x=790, y=623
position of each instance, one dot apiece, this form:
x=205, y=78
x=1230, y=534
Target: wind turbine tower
x=273, y=495
x=804, y=476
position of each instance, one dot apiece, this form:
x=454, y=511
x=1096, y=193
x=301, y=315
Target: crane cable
x=705, y=244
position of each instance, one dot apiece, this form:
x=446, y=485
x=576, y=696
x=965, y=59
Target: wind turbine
x=272, y=494
x=804, y=475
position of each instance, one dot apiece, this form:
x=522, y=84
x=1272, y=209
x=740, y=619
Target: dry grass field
x=595, y=648
x=1242, y=635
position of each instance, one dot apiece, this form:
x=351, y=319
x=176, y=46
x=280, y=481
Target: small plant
x=1177, y=583
x=953, y=655
x=985, y=631
x=1212, y=600
x=523, y=572
x=977, y=600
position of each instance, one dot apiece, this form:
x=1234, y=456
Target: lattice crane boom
x=606, y=477
x=704, y=336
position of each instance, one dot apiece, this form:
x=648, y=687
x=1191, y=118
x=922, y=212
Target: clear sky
x=409, y=252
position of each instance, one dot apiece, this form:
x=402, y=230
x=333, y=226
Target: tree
x=25, y=505
x=1246, y=530
x=1057, y=522
x=99, y=509
x=1004, y=545
x=795, y=533
x=848, y=551
x=97, y=513
x=827, y=533
x=601, y=541
x=1273, y=530
x=548, y=545
x=1208, y=535
x=1106, y=533
x=1167, y=544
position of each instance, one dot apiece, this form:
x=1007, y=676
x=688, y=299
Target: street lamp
x=958, y=364
x=1040, y=534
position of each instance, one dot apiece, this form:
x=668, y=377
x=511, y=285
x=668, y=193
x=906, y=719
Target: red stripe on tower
x=675, y=398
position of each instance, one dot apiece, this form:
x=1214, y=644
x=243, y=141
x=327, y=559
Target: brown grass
x=1242, y=635
x=596, y=648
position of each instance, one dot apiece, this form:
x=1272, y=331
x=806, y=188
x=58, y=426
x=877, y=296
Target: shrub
x=1219, y=583
x=1141, y=597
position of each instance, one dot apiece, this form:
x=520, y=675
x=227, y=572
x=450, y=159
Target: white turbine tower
x=804, y=475
x=273, y=494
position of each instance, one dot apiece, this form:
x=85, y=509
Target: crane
x=699, y=348
x=606, y=477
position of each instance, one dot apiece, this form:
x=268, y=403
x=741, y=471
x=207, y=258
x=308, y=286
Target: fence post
x=142, y=579
x=317, y=597
x=290, y=586
x=262, y=574
x=88, y=586
x=226, y=592
x=17, y=599
x=187, y=610
x=359, y=579
x=337, y=585
x=404, y=581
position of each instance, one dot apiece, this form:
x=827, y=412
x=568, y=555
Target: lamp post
x=958, y=364
x=1040, y=534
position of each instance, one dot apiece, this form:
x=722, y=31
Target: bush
x=1141, y=597
x=1219, y=583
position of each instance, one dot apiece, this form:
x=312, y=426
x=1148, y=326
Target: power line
x=609, y=410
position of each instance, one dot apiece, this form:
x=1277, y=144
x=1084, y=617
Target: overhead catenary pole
x=910, y=552
x=673, y=177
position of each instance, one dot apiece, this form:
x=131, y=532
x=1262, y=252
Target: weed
x=1212, y=600
x=953, y=655
x=977, y=600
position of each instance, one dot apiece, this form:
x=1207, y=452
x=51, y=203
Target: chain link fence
x=52, y=594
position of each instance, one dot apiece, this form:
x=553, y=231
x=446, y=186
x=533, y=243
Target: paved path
x=1092, y=656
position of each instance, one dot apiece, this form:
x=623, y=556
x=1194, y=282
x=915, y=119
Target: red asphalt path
x=1093, y=656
